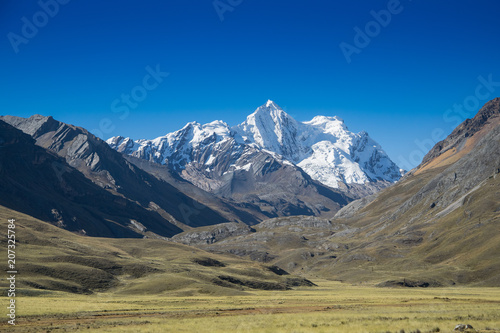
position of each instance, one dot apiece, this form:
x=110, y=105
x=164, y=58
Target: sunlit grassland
x=330, y=307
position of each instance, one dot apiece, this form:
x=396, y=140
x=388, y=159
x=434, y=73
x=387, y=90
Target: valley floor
x=329, y=307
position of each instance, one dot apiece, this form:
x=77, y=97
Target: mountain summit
x=323, y=147
x=271, y=128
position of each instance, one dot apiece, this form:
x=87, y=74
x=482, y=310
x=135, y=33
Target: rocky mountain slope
x=37, y=182
x=439, y=225
x=111, y=171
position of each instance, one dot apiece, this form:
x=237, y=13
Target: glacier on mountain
x=323, y=147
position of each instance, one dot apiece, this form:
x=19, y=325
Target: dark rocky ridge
x=37, y=182
x=465, y=130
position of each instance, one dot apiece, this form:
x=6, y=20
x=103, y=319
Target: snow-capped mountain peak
x=327, y=123
x=270, y=103
x=323, y=147
x=271, y=128
x=216, y=130
x=121, y=144
x=267, y=116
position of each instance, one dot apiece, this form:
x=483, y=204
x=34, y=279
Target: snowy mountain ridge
x=323, y=147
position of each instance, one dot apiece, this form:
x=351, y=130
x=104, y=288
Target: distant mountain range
x=323, y=147
x=283, y=166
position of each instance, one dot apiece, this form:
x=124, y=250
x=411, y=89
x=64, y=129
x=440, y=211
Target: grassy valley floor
x=329, y=307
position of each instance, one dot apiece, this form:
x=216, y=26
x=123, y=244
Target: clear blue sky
x=398, y=86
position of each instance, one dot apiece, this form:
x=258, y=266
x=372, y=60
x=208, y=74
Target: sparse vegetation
x=157, y=286
x=53, y=259
x=329, y=307
x=385, y=244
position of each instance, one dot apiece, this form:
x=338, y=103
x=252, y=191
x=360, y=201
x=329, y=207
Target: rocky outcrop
x=297, y=221
x=209, y=235
x=464, y=328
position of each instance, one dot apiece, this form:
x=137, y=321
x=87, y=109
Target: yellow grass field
x=330, y=307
